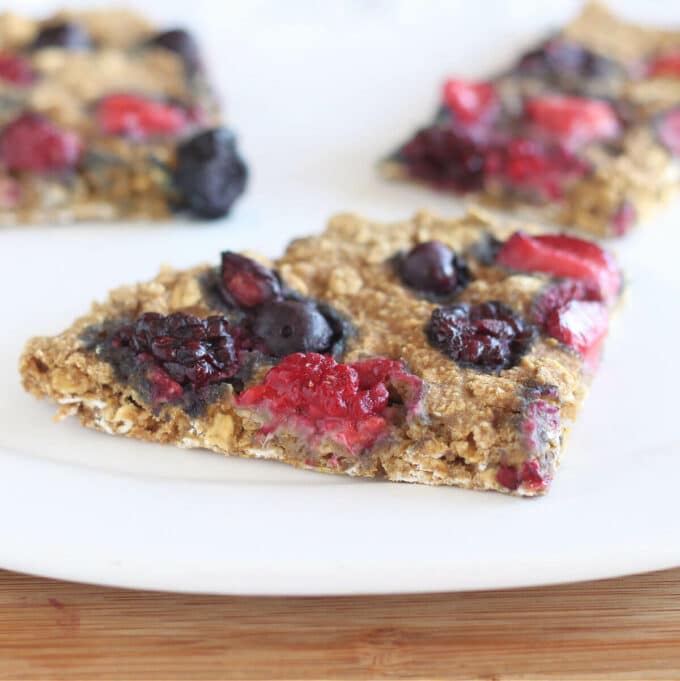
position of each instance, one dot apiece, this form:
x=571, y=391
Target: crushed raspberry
x=140, y=117
x=471, y=103
x=624, y=218
x=582, y=325
x=15, y=69
x=668, y=130
x=345, y=403
x=573, y=121
x=562, y=256
x=665, y=65
x=529, y=476
x=532, y=168
x=32, y=142
x=555, y=296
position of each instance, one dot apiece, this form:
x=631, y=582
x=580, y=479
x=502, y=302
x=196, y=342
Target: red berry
x=323, y=399
x=470, y=102
x=530, y=476
x=32, y=142
x=665, y=65
x=15, y=69
x=137, y=116
x=582, y=325
x=624, y=218
x=508, y=477
x=573, y=121
x=668, y=130
x=562, y=256
x=246, y=283
x=530, y=167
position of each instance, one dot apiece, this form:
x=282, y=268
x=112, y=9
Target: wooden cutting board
x=625, y=628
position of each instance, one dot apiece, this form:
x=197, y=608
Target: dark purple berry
x=487, y=336
x=67, y=35
x=289, y=326
x=209, y=174
x=245, y=283
x=444, y=158
x=178, y=352
x=180, y=42
x=434, y=268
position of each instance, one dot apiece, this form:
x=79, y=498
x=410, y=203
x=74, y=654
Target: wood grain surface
x=625, y=628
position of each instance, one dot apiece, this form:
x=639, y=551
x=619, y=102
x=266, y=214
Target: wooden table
x=616, y=629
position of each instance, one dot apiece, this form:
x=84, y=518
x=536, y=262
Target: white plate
x=317, y=98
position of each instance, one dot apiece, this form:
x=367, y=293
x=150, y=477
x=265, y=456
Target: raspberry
x=176, y=354
x=557, y=295
x=245, y=283
x=562, y=256
x=471, y=103
x=573, y=121
x=32, y=142
x=529, y=476
x=315, y=395
x=668, y=130
x=488, y=336
x=664, y=65
x=533, y=168
x=139, y=117
x=15, y=69
x=445, y=159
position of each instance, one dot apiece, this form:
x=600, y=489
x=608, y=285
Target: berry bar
x=103, y=116
x=585, y=128
x=445, y=352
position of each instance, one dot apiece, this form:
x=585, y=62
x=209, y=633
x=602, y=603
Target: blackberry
x=180, y=42
x=66, y=35
x=487, y=336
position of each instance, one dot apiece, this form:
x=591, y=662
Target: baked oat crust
x=470, y=421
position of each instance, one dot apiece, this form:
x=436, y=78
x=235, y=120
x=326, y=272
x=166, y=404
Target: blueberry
x=67, y=35
x=434, y=268
x=209, y=173
x=180, y=42
x=289, y=326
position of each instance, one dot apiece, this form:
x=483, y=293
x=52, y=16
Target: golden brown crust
x=470, y=422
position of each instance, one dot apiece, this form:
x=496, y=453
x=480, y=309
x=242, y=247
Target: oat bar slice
x=583, y=130
x=104, y=116
x=445, y=352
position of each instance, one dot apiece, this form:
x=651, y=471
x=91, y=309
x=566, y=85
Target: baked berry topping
x=561, y=293
x=139, y=117
x=32, y=142
x=471, y=103
x=445, y=159
x=245, y=283
x=180, y=42
x=15, y=69
x=290, y=326
x=668, y=130
x=434, y=268
x=529, y=476
x=347, y=404
x=581, y=325
x=209, y=173
x=177, y=354
x=487, y=336
x=624, y=218
x=559, y=60
x=573, y=121
x=535, y=169
x=66, y=35
x=562, y=256
x=664, y=65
